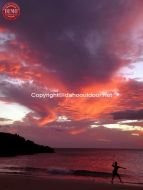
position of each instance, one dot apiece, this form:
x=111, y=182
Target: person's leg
x=112, y=178
x=119, y=178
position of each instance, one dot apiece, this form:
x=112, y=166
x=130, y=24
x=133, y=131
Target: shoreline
x=16, y=182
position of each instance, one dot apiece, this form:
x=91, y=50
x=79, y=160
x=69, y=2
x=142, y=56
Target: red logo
x=11, y=11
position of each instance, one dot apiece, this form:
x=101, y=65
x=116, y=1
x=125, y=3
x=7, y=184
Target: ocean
x=87, y=164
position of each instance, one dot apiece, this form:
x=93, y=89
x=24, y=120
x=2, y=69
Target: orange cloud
x=19, y=61
x=91, y=108
x=22, y=63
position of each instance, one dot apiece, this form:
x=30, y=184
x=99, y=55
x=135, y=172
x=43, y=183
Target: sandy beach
x=18, y=182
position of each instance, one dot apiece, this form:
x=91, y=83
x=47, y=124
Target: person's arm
x=122, y=167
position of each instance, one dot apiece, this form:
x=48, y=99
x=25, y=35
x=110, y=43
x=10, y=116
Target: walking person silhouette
x=115, y=172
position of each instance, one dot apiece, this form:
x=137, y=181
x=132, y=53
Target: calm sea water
x=85, y=163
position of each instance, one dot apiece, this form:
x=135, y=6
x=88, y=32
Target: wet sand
x=20, y=182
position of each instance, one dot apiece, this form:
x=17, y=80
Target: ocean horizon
x=78, y=163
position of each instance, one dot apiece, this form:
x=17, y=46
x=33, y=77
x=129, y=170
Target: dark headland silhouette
x=14, y=145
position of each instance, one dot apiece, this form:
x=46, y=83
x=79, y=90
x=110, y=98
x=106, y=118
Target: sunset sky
x=73, y=46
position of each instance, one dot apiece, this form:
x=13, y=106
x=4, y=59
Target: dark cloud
x=4, y=119
x=74, y=38
x=22, y=95
x=130, y=96
x=92, y=138
x=129, y=114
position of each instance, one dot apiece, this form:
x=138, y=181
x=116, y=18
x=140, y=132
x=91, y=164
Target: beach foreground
x=16, y=182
